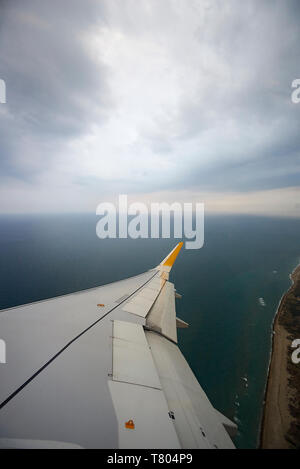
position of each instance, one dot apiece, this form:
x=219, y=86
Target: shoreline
x=261, y=428
x=276, y=418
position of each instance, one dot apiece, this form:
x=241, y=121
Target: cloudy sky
x=164, y=100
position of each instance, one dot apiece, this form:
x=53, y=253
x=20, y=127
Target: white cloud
x=149, y=96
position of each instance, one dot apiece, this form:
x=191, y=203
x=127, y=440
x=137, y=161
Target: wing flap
x=196, y=421
x=143, y=301
x=147, y=411
x=162, y=317
x=141, y=408
x=132, y=359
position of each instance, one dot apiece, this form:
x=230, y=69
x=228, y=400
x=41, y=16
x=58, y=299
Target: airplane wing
x=101, y=368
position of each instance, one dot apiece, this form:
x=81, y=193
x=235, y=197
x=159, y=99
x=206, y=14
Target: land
x=281, y=418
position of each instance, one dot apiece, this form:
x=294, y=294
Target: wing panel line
x=14, y=393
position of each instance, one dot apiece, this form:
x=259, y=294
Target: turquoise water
x=243, y=259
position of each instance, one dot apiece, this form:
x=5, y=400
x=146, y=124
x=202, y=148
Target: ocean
x=230, y=290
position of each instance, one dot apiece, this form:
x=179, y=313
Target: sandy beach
x=280, y=423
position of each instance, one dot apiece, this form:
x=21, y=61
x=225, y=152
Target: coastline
x=278, y=417
x=261, y=429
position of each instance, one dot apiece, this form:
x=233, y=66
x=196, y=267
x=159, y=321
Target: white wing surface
x=101, y=369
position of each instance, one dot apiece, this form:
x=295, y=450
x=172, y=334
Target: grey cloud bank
x=149, y=97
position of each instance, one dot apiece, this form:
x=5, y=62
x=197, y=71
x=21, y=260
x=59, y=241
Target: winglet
x=167, y=264
x=170, y=259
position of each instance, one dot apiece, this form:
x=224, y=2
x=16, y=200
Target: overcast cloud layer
x=163, y=100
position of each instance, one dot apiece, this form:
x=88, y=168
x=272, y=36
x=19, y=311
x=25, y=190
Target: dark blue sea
x=244, y=258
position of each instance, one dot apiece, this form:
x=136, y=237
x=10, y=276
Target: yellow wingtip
x=170, y=259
